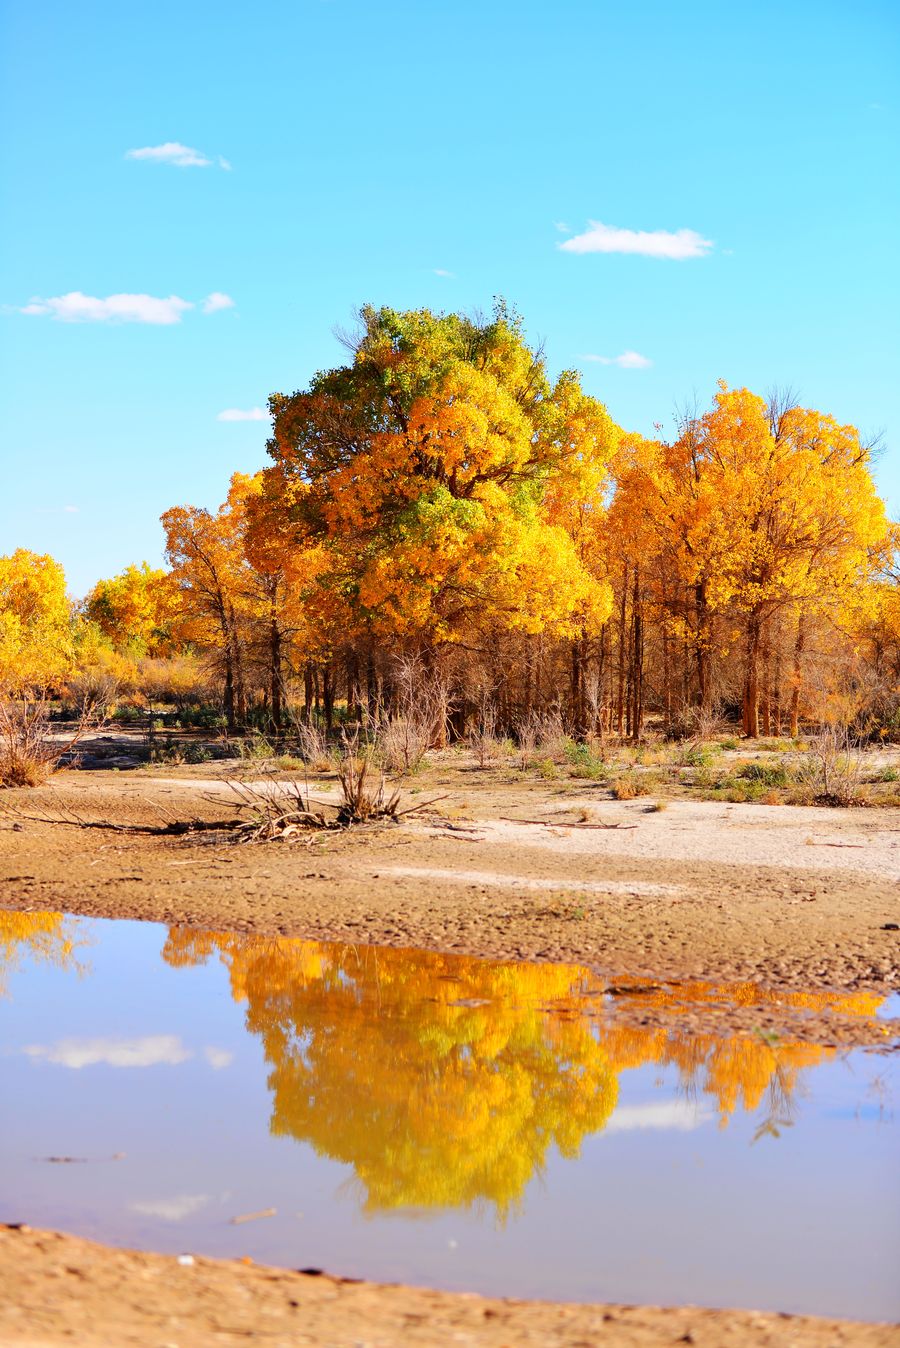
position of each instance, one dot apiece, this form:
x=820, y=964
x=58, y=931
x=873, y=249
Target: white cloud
x=173, y=152
x=440, y=271
x=217, y=301
x=600, y=238
x=218, y=1058
x=561, y=227
x=172, y=1209
x=71, y=510
x=78, y=308
x=679, y=1115
x=629, y=360
x=146, y=1052
x=238, y=414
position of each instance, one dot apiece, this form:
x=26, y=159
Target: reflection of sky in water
x=438, y=1120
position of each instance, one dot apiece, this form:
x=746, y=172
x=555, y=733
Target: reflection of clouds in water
x=677, y=1115
x=218, y=1057
x=172, y=1209
x=144, y=1052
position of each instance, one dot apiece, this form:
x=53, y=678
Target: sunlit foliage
x=36, y=637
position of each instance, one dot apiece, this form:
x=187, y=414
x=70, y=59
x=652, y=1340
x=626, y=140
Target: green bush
x=766, y=774
x=583, y=762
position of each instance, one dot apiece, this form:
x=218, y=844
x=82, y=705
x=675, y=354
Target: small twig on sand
x=559, y=823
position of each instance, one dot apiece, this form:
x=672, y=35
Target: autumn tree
x=435, y=462
x=134, y=610
x=760, y=516
x=36, y=631
x=205, y=553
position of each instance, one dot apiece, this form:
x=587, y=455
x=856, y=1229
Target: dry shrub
x=833, y=766
x=416, y=722
x=542, y=734
x=27, y=756
x=363, y=799
x=632, y=784
x=485, y=743
x=97, y=683
x=276, y=810
x=312, y=742
x=180, y=681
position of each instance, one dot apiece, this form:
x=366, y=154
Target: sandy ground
x=799, y=899
x=120, y=1297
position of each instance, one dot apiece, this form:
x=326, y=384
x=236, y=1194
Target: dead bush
x=541, y=734
x=833, y=765
x=416, y=721
x=28, y=756
x=362, y=798
x=312, y=743
x=485, y=743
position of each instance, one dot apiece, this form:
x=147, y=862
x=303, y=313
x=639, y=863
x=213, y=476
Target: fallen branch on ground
x=559, y=823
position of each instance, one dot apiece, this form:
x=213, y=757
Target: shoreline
x=68, y=1286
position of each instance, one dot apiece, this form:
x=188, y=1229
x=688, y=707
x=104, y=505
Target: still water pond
x=438, y=1119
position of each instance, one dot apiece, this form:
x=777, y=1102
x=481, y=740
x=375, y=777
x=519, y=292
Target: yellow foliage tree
x=36, y=632
x=435, y=465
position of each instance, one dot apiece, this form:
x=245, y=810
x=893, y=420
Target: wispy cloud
x=441, y=271
x=561, y=227
x=241, y=414
x=600, y=238
x=629, y=360
x=217, y=301
x=172, y=1209
x=71, y=510
x=161, y=311
x=182, y=156
x=148, y=1051
x=78, y=308
x=218, y=1057
x=678, y=1115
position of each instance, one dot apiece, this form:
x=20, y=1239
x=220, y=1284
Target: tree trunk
x=796, y=676
x=751, y=679
x=328, y=697
x=275, y=683
x=637, y=661
x=354, y=710
x=371, y=684
x=703, y=681
x=307, y=691
x=620, y=701
x=229, y=692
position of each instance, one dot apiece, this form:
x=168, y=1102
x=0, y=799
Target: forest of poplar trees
x=442, y=524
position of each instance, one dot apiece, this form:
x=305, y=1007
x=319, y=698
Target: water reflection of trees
x=445, y=1080
x=41, y=937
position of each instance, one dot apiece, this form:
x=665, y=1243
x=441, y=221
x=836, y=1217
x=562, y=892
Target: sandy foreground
x=794, y=898
x=69, y=1290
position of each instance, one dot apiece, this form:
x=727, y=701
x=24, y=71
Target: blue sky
x=372, y=148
